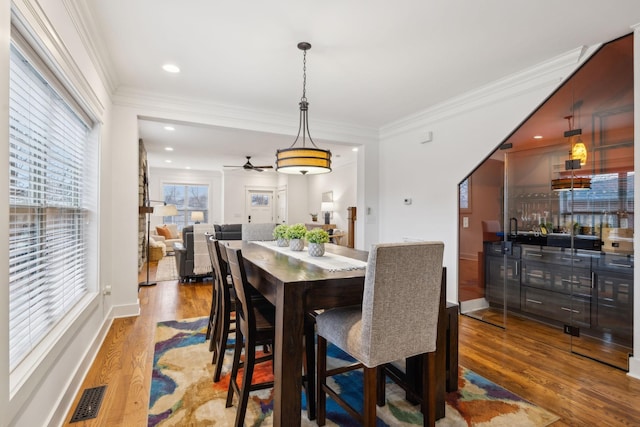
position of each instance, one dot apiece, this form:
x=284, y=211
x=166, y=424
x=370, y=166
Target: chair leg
x=221, y=347
x=381, y=386
x=212, y=315
x=369, y=407
x=428, y=404
x=233, y=384
x=216, y=327
x=310, y=367
x=247, y=375
x=321, y=381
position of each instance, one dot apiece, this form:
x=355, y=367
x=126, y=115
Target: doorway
x=260, y=207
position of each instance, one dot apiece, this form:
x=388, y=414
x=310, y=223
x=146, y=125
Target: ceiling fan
x=250, y=167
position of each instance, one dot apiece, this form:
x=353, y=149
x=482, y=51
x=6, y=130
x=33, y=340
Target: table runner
x=329, y=261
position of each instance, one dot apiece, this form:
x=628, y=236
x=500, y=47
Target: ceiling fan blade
x=264, y=167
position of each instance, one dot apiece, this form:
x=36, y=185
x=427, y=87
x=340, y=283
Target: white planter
x=316, y=249
x=282, y=242
x=296, y=244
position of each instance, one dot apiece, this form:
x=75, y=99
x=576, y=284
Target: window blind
x=49, y=147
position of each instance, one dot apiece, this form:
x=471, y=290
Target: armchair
x=168, y=234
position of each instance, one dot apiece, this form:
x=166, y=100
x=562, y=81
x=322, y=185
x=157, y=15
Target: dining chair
x=225, y=306
x=213, y=309
x=264, y=316
x=254, y=327
x=398, y=319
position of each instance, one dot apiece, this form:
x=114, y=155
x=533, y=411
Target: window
x=52, y=195
x=187, y=198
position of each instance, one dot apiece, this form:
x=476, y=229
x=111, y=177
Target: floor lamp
x=159, y=210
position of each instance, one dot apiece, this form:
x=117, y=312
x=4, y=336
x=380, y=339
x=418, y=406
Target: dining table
x=296, y=286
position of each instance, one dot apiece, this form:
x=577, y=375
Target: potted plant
x=317, y=238
x=280, y=234
x=314, y=217
x=295, y=234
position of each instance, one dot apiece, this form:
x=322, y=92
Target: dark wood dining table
x=296, y=287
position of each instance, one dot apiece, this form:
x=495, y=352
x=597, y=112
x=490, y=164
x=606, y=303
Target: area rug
x=167, y=269
x=183, y=393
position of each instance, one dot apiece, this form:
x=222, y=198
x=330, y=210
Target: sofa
x=167, y=234
x=244, y=231
x=228, y=231
x=185, y=258
x=185, y=251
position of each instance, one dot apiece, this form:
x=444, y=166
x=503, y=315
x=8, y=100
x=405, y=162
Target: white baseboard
x=473, y=305
x=127, y=310
x=634, y=367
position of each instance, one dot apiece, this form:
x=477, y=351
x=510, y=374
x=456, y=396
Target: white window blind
x=49, y=148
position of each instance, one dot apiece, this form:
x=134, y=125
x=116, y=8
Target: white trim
x=529, y=80
x=205, y=112
x=31, y=20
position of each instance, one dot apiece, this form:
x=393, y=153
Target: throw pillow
x=173, y=230
x=163, y=231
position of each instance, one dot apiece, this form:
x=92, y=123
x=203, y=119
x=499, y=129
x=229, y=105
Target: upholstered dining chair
x=398, y=319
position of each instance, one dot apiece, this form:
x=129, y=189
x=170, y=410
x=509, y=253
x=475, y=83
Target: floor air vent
x=89, y=404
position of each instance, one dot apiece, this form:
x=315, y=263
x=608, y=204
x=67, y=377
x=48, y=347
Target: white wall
x=342, y=181
x=465, y=130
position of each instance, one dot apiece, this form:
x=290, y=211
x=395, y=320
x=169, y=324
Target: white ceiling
x=372, y=61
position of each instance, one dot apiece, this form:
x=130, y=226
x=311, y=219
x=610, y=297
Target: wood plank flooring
x=581, y=391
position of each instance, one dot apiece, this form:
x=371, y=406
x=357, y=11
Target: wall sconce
x=327, y=208
x=197, y=216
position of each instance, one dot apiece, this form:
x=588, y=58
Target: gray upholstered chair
x=253, y=231
x=398, y=319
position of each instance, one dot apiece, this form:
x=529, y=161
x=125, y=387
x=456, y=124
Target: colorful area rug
x=183, y=394
x=167, y=269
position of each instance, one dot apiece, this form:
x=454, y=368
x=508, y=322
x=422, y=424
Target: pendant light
x=303, y=159
x=577, y=158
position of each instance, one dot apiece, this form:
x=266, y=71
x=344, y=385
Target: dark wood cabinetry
x=613, y=311
x=497, y=272
x=591, y=290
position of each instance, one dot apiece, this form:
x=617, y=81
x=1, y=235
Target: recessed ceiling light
x=354, y=149
x=188, y=167
x=168, y=148
x=167, y=161
x=171, y=68
x=537, y=137
x=169, y=128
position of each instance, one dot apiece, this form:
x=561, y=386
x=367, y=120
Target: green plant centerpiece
x=295, y=234
x=317, y=238
x=280, y=234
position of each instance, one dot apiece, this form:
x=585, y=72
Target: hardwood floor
x=581, y=391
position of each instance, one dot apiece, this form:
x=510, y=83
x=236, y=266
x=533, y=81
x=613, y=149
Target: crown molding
x=166, y=107
x=34, y=26
x=97, y=50
x=546, y=74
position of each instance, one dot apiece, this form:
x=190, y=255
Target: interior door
x=260, y=206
